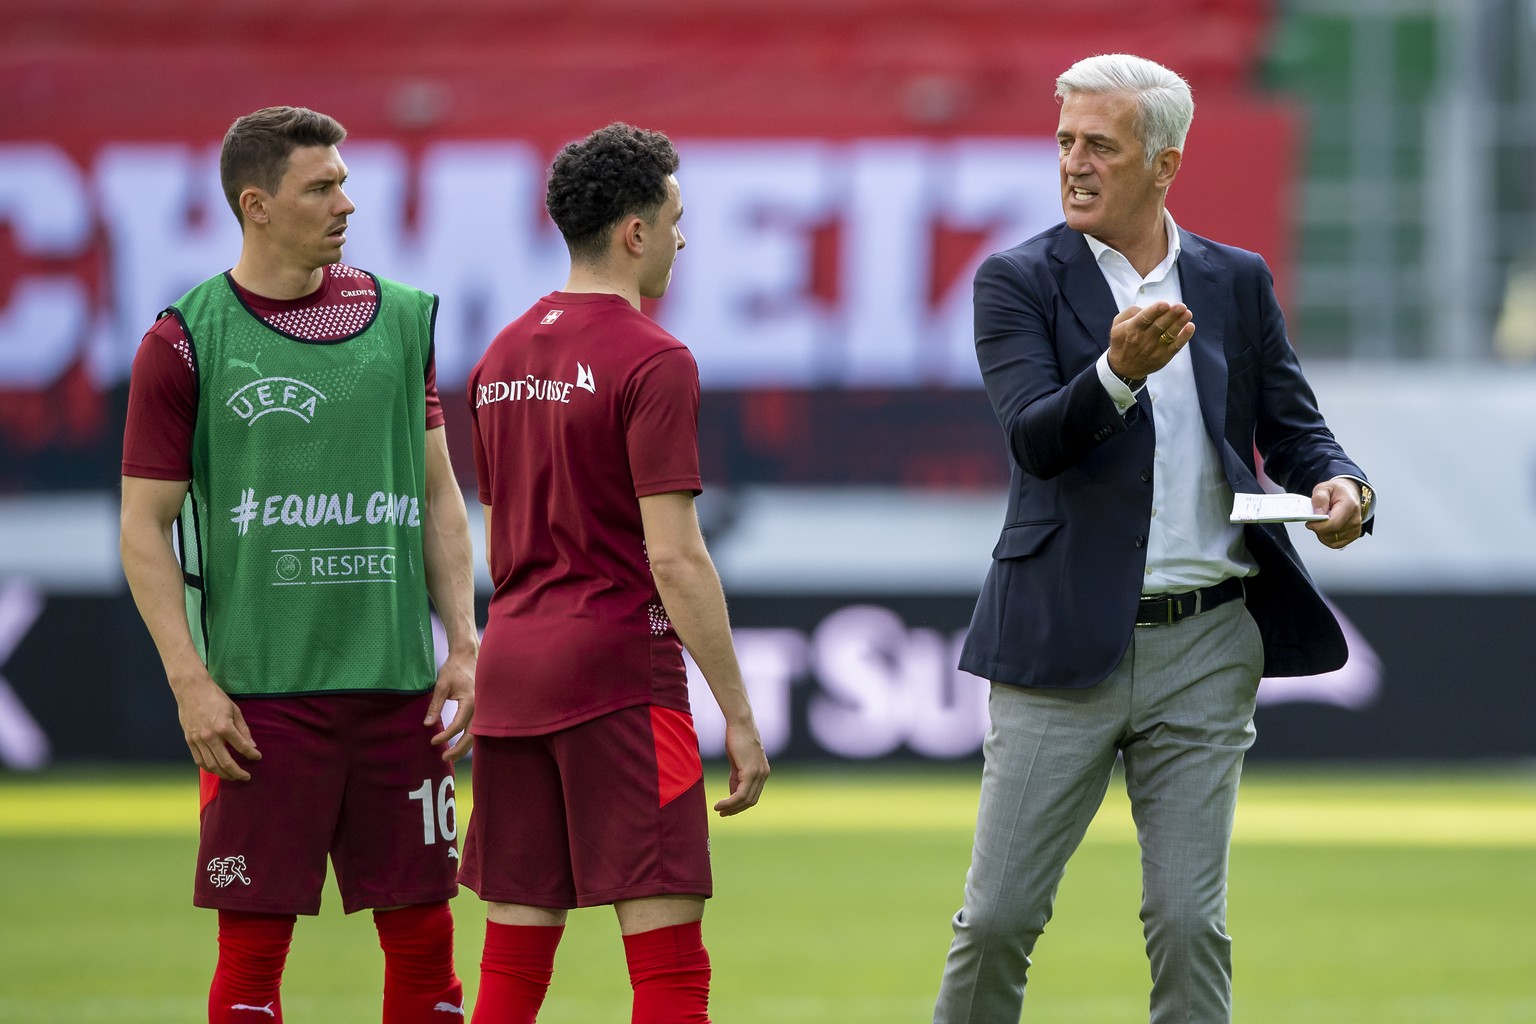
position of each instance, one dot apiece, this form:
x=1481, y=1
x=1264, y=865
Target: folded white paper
x=1273, y=508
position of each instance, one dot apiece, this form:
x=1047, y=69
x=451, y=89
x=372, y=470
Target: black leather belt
x=1166, y=609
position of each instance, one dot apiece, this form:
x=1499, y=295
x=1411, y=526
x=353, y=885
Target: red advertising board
x=845, y=165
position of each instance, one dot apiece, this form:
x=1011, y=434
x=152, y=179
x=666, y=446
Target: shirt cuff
x=1122, y=396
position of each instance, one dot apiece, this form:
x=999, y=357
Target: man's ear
x=634, y=232
x=1167, y=164
x=253, y=205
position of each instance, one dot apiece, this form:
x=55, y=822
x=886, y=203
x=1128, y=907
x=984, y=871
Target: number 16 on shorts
x=438, y=816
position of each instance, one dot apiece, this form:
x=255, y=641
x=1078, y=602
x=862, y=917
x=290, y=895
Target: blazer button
x=1146, y=476
x=1141, y=542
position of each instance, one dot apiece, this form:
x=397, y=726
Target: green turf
x=1406, y=897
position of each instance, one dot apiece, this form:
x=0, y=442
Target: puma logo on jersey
x=256, y=1009
x=551, y=316
x=584, y=379
x=233, y=362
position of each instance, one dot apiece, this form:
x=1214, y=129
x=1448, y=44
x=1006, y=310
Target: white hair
x=1164, y=105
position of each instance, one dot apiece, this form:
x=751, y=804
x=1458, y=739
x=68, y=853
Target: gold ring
x=1169, y=339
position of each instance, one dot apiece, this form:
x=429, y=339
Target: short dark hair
x=257, y=147
x=615, y=172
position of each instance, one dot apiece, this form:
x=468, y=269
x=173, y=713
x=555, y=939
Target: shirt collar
x=1099, y=249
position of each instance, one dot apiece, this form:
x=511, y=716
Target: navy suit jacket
x=1058, y=605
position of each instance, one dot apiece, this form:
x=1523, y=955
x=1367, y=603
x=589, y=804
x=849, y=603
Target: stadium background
x=846, y=163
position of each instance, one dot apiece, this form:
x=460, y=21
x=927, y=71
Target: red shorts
x=611, y=809
x=352, y=776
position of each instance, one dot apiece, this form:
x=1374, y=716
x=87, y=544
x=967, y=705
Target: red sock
x=669, y=971
x=419, y=984
x=514, y=972
x=247, y=981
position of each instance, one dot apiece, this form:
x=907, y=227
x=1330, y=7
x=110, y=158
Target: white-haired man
x=1124, y=616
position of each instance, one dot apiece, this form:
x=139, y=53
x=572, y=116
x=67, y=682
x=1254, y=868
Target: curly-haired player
x=587, y=781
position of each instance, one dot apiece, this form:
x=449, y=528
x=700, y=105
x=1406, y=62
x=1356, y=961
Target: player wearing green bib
x=283, y=424
x=305, y=500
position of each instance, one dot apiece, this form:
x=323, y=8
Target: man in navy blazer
x=1134, y=368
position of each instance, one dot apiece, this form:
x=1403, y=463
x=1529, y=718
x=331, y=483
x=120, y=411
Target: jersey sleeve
x=661, y=424
x=162, y=406
x=435, y=416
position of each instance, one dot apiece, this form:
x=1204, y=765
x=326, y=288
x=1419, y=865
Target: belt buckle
x=1167, y=619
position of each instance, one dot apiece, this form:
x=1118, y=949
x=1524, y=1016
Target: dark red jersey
x=162, y=393
x=580, y=407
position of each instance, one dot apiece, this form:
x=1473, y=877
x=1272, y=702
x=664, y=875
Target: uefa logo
x=275, y=394
x=288, y=567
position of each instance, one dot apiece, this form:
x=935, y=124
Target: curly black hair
x=615, y=172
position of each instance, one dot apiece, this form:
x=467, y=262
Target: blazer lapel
x=1199, y=279
x=1083, y=286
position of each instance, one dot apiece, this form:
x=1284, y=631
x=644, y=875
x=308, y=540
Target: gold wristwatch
x=1367, y=498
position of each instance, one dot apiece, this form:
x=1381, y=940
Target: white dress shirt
x=1190, y=543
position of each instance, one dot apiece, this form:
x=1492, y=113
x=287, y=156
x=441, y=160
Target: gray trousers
x=1179, y=711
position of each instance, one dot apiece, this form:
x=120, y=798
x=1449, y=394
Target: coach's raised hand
x=1143, y=340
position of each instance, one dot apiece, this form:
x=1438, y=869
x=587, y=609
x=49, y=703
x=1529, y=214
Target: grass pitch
x=1405, y=897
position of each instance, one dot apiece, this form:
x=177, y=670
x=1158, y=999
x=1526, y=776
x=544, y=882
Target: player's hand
x=455, y=681
x=1339, y=500
x=1143, y=340
x=212, y=724
x=749, y=768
